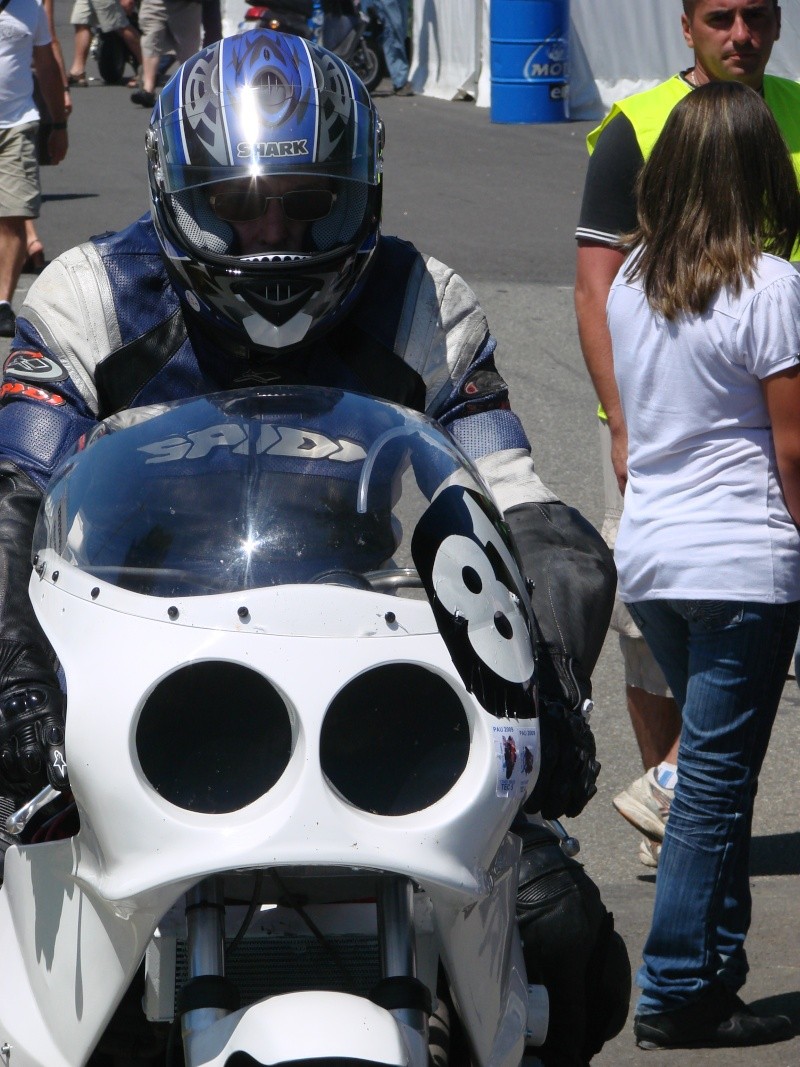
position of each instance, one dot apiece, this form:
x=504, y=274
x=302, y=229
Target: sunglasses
x=299, y=205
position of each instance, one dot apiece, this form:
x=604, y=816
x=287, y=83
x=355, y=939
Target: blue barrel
x=529, y=60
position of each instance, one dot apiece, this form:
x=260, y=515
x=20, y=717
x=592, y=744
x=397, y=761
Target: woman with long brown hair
x=705, y=325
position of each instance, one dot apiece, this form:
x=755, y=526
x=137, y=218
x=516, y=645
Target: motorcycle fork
x=205, y=921
x=205, y=947
x=396, y=938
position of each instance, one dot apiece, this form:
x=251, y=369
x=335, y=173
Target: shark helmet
x=265, y=105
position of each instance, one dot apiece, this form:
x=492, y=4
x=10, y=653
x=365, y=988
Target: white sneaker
x=645, y=804
x=649, y=852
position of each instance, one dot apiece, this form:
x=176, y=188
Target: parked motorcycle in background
x=350, y=28
x=301, y=719
x=114, y=59
x=111, y=53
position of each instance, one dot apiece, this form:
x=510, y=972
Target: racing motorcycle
x=302, y=715
x=350, y=30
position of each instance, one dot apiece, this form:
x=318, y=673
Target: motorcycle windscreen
x=239, y=490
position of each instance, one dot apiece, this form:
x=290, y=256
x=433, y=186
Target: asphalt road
x=499, y=204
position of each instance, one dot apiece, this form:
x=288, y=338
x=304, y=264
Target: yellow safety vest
x=648, y=111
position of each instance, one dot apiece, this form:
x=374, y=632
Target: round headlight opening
x=213, y=737
x=395, y=740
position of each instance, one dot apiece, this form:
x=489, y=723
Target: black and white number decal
x=479, y=600
x=465, y=583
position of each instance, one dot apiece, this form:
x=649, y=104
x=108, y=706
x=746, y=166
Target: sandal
x=78, y=80
x=35, y=262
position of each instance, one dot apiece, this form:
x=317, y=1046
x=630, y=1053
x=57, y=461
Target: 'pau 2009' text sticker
x=517, y=749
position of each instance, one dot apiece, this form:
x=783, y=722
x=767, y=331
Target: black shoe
x=141, y=96
x=405, y=90
x=718, y=1019
x=8, y=321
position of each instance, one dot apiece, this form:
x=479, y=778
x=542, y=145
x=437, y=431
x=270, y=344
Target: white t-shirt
x=23, y=26
x=704, y=515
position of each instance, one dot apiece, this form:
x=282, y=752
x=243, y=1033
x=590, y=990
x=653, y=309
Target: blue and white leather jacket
x=102, y=330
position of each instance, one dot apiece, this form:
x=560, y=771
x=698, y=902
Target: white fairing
x=67, y=955
x=76, y=916
x=164, y=844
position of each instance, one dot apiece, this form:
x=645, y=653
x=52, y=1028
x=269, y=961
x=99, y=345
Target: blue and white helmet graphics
x=264, y=105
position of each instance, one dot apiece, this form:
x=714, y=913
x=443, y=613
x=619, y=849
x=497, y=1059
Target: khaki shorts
x=641, y=669
x=107, y=14
x=20, y=192
x=171, y=26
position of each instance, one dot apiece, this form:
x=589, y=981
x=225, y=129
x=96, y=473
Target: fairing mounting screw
x=243, y=613
x=173, y=612
x=95, y=592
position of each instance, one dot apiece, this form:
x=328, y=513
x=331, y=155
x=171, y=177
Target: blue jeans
x=726, y=664
x=393, y=38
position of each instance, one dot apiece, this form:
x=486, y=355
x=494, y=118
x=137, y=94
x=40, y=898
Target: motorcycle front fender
x=305, y=1026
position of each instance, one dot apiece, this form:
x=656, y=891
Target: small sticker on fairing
x=517, y=752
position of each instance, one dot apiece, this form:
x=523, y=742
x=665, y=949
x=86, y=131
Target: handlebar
x=17, y=822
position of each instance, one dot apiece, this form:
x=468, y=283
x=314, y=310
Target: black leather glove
x=32, y=739
x=569, y=769
x=574, y=580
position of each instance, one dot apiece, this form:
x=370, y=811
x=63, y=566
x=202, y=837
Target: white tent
x=616, y=47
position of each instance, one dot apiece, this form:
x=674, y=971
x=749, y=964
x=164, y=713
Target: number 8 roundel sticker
x=479, y=600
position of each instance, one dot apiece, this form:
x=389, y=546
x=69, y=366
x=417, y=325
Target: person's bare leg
x=149, y=73
x=34, y=249
x=131, y=39
x=12, y=255
x=31, y=236
x=83, y=42
x=656, y=724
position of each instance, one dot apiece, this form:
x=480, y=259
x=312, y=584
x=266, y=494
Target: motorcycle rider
x=262, y=262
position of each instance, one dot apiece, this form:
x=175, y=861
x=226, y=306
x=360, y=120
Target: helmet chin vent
x=278, y=301
x=273, y=257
